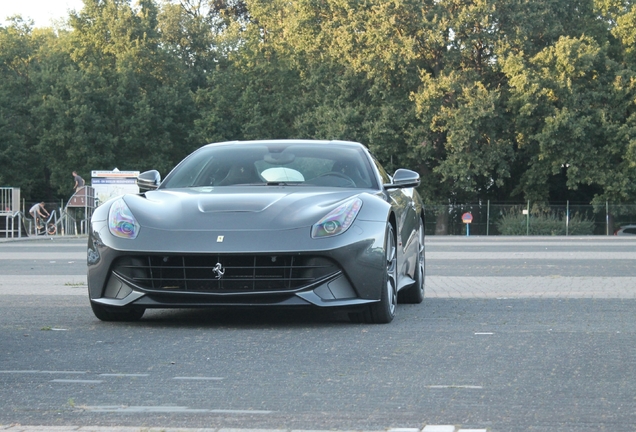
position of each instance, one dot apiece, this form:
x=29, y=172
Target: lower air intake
x=224, y=273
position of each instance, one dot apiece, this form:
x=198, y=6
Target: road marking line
x=20, y=428
x=77, y=381
x=546, y=256
x=124, y=375
x=43, y=256
x=451, y=386
x=167, y=409
x=438, y=428
x=221, y=411
x=199, y=378
x=44, y=372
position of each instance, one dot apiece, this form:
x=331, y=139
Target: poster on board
x=111, y=184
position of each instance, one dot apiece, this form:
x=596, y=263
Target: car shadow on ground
x=241, y=317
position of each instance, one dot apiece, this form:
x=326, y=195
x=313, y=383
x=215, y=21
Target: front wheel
x=383, y=311
x=111, y=313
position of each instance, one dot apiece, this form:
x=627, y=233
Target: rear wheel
x=383, y=311
x=110, y=313
x=415, y=293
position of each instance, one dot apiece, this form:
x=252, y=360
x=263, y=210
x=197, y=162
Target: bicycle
x=45, y=227
x=50, y=229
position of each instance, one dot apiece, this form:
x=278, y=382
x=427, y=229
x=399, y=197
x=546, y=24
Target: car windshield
x=330, y=165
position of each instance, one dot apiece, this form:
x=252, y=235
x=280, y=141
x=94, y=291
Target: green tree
x=356, y=70
x=22, y=164
x=251, y=92
x=120, y=101
x=572, y=102
x=501, y=100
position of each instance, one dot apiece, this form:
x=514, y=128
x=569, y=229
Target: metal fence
x=9, y=199
x=10, y=216
x=70, y=219
x=528, y=219
x=487, y=218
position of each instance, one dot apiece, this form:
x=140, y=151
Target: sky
x=40, y=11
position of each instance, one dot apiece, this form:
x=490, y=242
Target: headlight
x=121, y=221
x=338, y=220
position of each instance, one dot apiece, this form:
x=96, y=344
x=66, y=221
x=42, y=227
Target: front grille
x=224, y=273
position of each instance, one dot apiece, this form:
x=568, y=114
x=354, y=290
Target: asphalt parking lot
x=509, y=327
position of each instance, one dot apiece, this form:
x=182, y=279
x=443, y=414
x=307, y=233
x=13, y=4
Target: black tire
x=112, y=313
x=383, y=311
x=414, y=294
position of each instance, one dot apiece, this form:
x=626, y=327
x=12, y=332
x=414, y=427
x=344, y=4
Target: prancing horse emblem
x=218, y=270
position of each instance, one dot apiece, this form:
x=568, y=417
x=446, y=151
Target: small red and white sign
x=467, y=218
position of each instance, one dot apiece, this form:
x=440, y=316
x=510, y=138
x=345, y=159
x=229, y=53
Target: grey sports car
x=285, y=223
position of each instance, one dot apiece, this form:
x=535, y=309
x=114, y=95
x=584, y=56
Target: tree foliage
x=505, y=100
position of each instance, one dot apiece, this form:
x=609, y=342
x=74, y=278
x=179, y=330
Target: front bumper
x=354, y=278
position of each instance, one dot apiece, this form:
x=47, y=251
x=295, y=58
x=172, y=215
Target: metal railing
x=79, y=209
x=10, y=215
x=440, y=219
x=9, y=200
x=70, y=219
x=10, y=225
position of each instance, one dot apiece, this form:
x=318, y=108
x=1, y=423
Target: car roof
x=289, y=141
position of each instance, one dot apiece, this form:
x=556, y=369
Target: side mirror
x=149, y=180
x=404, y=178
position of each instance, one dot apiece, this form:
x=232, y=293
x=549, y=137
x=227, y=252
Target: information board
x=111, y=184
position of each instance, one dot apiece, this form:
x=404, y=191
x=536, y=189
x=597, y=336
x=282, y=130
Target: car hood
x=235, y=208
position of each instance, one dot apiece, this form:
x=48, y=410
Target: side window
x=383, y=175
